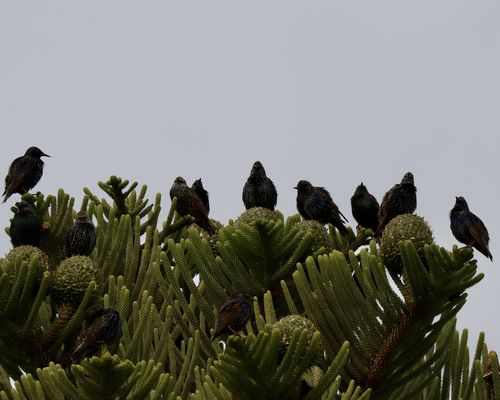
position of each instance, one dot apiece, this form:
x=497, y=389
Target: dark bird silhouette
x=400, y=199
x=24, y=172
x=101, y=326
x=26, y=226
x=364, y=208
x=200, y=191
x=259, y=190
x=188, y=202
x=233, y=315
x=468, y=228
x=80, y=239
x=315, y=202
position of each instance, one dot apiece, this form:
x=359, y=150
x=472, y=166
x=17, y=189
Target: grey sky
x=333, y=92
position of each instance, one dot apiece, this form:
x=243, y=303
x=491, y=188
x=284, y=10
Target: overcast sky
x=332, y=92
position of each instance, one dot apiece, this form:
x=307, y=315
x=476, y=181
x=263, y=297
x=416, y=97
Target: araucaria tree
x=332, y=316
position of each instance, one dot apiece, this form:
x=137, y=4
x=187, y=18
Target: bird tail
x=341, y=228
x=343, y=216
x=378, y=232
x=6, y=194
x=209, y=228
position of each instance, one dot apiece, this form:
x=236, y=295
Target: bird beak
x=45, y=155
x=295, y=187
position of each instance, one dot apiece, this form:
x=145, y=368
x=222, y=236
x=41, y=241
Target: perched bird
x=80, y=239
x=101, y=326
x=468, y=228
x=26, y=226
x=233, y=315
x=315, y=202
x=259, y=190
x=364, y=208
x=188, y=202
x=24, y=172
x=200, y=191
x=400, y=199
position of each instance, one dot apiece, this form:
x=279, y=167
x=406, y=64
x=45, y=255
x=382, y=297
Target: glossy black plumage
x=188, y=202
x=365, y=208
x=200, y=191
x=259, y=190
x=24, y=172
x=80, y=239
x=315, y=202
x=468, y=228
x=26, y=226
x=233, y=315
x=400, y=199
x=101, y=326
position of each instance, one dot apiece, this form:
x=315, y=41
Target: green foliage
x=350, y=329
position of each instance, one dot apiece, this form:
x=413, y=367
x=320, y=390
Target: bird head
x=258, y=169
x=23, y=206
x=304, y=186
x=180, y=180
x=82, y=217
x=35, y=152
x=197, y=183
x=407, y=179
x=241, y=296
x=461, y=203
x=361, y=189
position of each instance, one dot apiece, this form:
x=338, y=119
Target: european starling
x=468, y=228
x=101, y=326
x=259, y=190
x=315, y=202
x=233, y=315
x=400, y=199
x=364, y=208
x=26, y=226
x=80, y=239
x=188, y=202
x=198, y=188
x=24, y=172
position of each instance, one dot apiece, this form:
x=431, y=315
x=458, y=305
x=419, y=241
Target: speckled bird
x=24, y=172
x=25, y=226
x=315, y=202
x=468, y=228
x=259, y=190
x=200, y=191
x=101, y=326
x=188, y=203
x=80, y=239
x=233, y=315
x=365, y=208
x=400, y=199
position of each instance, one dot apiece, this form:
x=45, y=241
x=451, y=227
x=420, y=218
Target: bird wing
x=15, y=176
x=478, y=231
x=329, y=201
x=13, y=183
x=316, y=205
x=197, y=203
x=320, y=205
x=274, y=193
x=93, y=331
x=384, y=206
x=226, y=316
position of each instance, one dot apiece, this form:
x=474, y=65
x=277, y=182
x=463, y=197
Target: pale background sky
x=333, y=92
